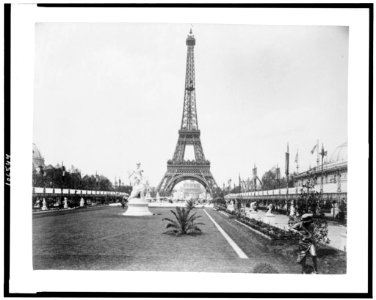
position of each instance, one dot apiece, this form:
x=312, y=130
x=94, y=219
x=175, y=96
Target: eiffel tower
x=179, y=169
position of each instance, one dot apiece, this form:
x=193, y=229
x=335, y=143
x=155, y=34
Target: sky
x=109, y=95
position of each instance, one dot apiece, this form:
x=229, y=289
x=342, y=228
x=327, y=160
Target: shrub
x=310, y=202
x=190, y=204
x=185, y=222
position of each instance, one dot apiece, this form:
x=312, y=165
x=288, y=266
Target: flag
x=313, y=149
x=323, y=152
x=296, y=157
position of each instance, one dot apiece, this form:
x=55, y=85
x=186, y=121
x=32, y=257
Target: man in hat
x=306, y=244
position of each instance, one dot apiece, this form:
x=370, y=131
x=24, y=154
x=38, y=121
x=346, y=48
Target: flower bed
x=273, y=232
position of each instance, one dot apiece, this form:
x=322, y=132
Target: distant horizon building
x=190, y=189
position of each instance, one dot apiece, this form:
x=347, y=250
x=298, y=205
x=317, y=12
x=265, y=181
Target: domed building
x=339, y=154
x=38, y=160
x=333, y=172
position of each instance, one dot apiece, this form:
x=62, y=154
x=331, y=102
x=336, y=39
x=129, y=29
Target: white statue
x=292, y=209
x=253, y=206
x=137, y=204
x=44, y=207
x=37, y=204
x=65, y=202
x=82, y=202
x=269, y=212
x=139, y=186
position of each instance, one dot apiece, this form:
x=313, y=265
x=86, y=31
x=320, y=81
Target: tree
x=153, y=192
x=218, y=192
x=309, y=201
x=105, y=184
x=125, y=189
x=60, y=178
x=269, y=180
x=219, y=201
x=236, y=189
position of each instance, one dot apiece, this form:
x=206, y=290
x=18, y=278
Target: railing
x=40, y=191
x=329, y=192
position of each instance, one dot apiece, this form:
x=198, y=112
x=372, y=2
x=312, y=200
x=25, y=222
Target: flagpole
x=297, y=162
x=287, y=172
x=318, y=153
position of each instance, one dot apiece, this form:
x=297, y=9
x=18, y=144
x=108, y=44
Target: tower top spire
x=191, y=38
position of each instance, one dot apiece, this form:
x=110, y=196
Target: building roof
x=36, y=152
x=38, y=159
x=339, y=154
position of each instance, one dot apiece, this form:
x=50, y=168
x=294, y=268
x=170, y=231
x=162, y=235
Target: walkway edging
x=234, y=246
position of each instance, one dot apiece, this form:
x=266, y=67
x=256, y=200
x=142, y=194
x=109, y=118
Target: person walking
x=305, y=229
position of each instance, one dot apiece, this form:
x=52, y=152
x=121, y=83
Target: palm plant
x=185, y=222
x=190, y=204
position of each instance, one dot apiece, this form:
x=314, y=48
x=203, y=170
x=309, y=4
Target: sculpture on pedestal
x=292, y=209
x=269, y=212
x=37, y=204
x=253, y=206
x=137, y=204
x=44, y=207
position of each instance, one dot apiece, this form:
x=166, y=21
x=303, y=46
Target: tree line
x=60, y=178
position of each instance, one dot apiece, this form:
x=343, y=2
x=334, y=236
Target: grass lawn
x=104, y=239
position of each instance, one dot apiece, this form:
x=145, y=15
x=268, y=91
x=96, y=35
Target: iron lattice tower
x=179, y=169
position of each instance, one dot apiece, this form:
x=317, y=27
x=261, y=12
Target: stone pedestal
x=138, y=207
x=158, y=198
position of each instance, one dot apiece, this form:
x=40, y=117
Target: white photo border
x=23, y=279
